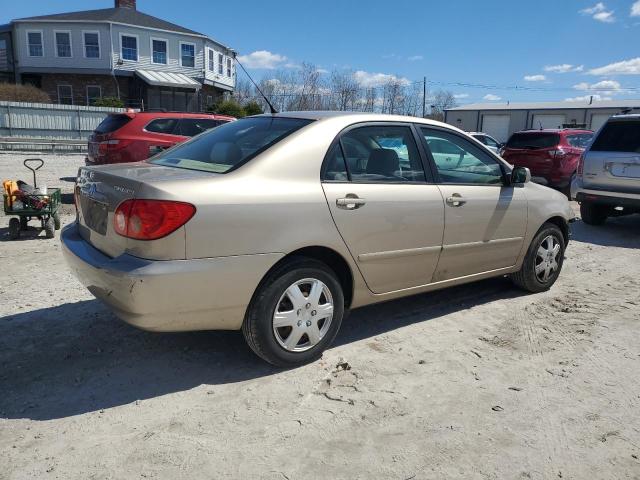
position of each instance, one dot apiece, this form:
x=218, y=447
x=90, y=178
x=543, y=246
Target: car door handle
x=350, y=202
x=456, y=200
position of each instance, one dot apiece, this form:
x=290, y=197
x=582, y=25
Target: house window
x=129, y=47
x=159, y=51
x=65, y=95
x=91, y=44
x=63, y=44
x=228, y=67
x=187, y=54
x=212, y=60
x=34, y=43
x=94, y=92
x=220, y=64
x=4, y=58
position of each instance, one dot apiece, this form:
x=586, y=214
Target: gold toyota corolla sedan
x=278, y=224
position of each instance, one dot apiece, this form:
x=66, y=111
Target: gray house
x=121, y=52
x=500, y=120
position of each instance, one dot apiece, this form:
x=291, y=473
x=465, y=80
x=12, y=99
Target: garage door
x=548, y=121
x=598, y=119
x=497, y=126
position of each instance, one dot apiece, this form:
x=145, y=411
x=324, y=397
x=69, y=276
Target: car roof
x=556, y=130
x=176, y=115
x=354, y=117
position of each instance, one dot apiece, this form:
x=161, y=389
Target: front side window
x=230, y=145
x=459, y=161
x=490, y=142
x=63, y=44
x=159, y=51
x=65, y=95
x=165, y=126
x=94, y=92
x=34, y=41
x=376, y=154
x=129, y=48
x=91, y=44
x=220, y=64
x=187, y=54
x=618, y=136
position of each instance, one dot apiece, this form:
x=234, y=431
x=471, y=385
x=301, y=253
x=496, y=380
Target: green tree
x=252, y=108
x=108, y=102
x=228, y=107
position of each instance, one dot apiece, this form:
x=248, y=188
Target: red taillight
x=580, y=165
x=151, y=219
x=558, y=153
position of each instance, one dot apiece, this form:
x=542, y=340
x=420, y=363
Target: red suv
x=551, y=155
x=136, y=136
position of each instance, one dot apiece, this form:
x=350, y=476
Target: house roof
x=617, y=104
x=127, y=16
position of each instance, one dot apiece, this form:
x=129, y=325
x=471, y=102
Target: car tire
x=50, y=228
x=56, y=221
x=542, y=263
x=24, y=224
x=286, y=291
x=593, y=214
x=14, y=228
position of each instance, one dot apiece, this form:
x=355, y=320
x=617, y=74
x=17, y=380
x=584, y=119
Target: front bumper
x=168, y=295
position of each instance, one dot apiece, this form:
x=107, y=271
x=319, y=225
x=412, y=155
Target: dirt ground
x=480, y=381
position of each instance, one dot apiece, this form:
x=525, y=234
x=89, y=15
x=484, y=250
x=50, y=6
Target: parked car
x=279, y=224
x=551, y=155
x=608, y=178
x=487, y=140
x=136, y=136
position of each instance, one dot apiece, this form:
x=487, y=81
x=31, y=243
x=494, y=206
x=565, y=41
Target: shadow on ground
x=77, y=357
x=615, y=232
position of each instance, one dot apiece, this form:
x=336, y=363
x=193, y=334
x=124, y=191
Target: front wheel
x=14, y=228
x=543, y=262
x=295, y=313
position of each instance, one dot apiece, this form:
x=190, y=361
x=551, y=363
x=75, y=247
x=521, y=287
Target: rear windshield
x=533, y=141
x=231, y=144
x=579, y=140
x=618, y=137
x=112, y=123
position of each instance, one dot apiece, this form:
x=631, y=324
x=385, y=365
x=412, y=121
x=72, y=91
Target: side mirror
x=520, y=175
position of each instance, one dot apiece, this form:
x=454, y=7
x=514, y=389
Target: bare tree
x=443, y=99
x=345, y=90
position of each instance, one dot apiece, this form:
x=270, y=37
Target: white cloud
x=263, y=59
x=563, y=68
x=367, y=79
x=460, y=96
x=322, y=70
x=491, y=97
x=586, y=98
x=635, y=9
x=415, y=58
x=625, y=67
x=581, y=86
x=605, y=87
x=600, y=13
x=535, y=78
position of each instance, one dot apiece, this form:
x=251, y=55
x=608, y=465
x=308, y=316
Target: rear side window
x=580, y=140
x=112, y=123
x=533, y=141
x=162, y=125
x=190, y=127
x=618, y=137
x=230, y=145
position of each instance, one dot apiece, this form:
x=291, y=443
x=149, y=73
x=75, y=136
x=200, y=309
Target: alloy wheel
x=546, y=261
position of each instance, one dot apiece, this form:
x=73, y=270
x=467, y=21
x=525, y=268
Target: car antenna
x=273, y=110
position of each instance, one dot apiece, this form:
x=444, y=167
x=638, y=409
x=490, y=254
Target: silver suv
x=607, y=182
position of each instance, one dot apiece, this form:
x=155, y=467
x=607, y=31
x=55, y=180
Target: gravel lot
x=480, y=381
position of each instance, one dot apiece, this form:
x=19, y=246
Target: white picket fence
x=50, y=121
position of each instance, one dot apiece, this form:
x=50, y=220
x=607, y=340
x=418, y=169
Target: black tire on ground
x=567, y=190
x=526, y=278
x=24, y=224
x=593, y=214
x=14, y=228
x=50, y=228
x=56, y=220
x=258, y=323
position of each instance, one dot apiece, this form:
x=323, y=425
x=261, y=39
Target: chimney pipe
x=126, y=4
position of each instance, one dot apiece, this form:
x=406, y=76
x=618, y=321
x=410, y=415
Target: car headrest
x=383, y=161
x=226, y=153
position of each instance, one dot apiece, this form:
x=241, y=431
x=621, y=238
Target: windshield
x=230, y=145
x=533, y=140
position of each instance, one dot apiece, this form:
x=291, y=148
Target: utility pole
x=424, y=97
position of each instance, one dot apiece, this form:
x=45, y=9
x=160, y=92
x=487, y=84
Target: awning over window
x=166, y=79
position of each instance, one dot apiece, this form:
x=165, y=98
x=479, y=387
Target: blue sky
x=594, y=46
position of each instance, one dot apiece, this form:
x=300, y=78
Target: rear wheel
x=24, y=223
x=50, y=227
x=593, y=214
x=56, y=221
x=14, y=228
x=543, y=261
x=295, y=313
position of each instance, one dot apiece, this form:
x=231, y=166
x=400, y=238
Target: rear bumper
x=169, y=295
x=604, y=197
